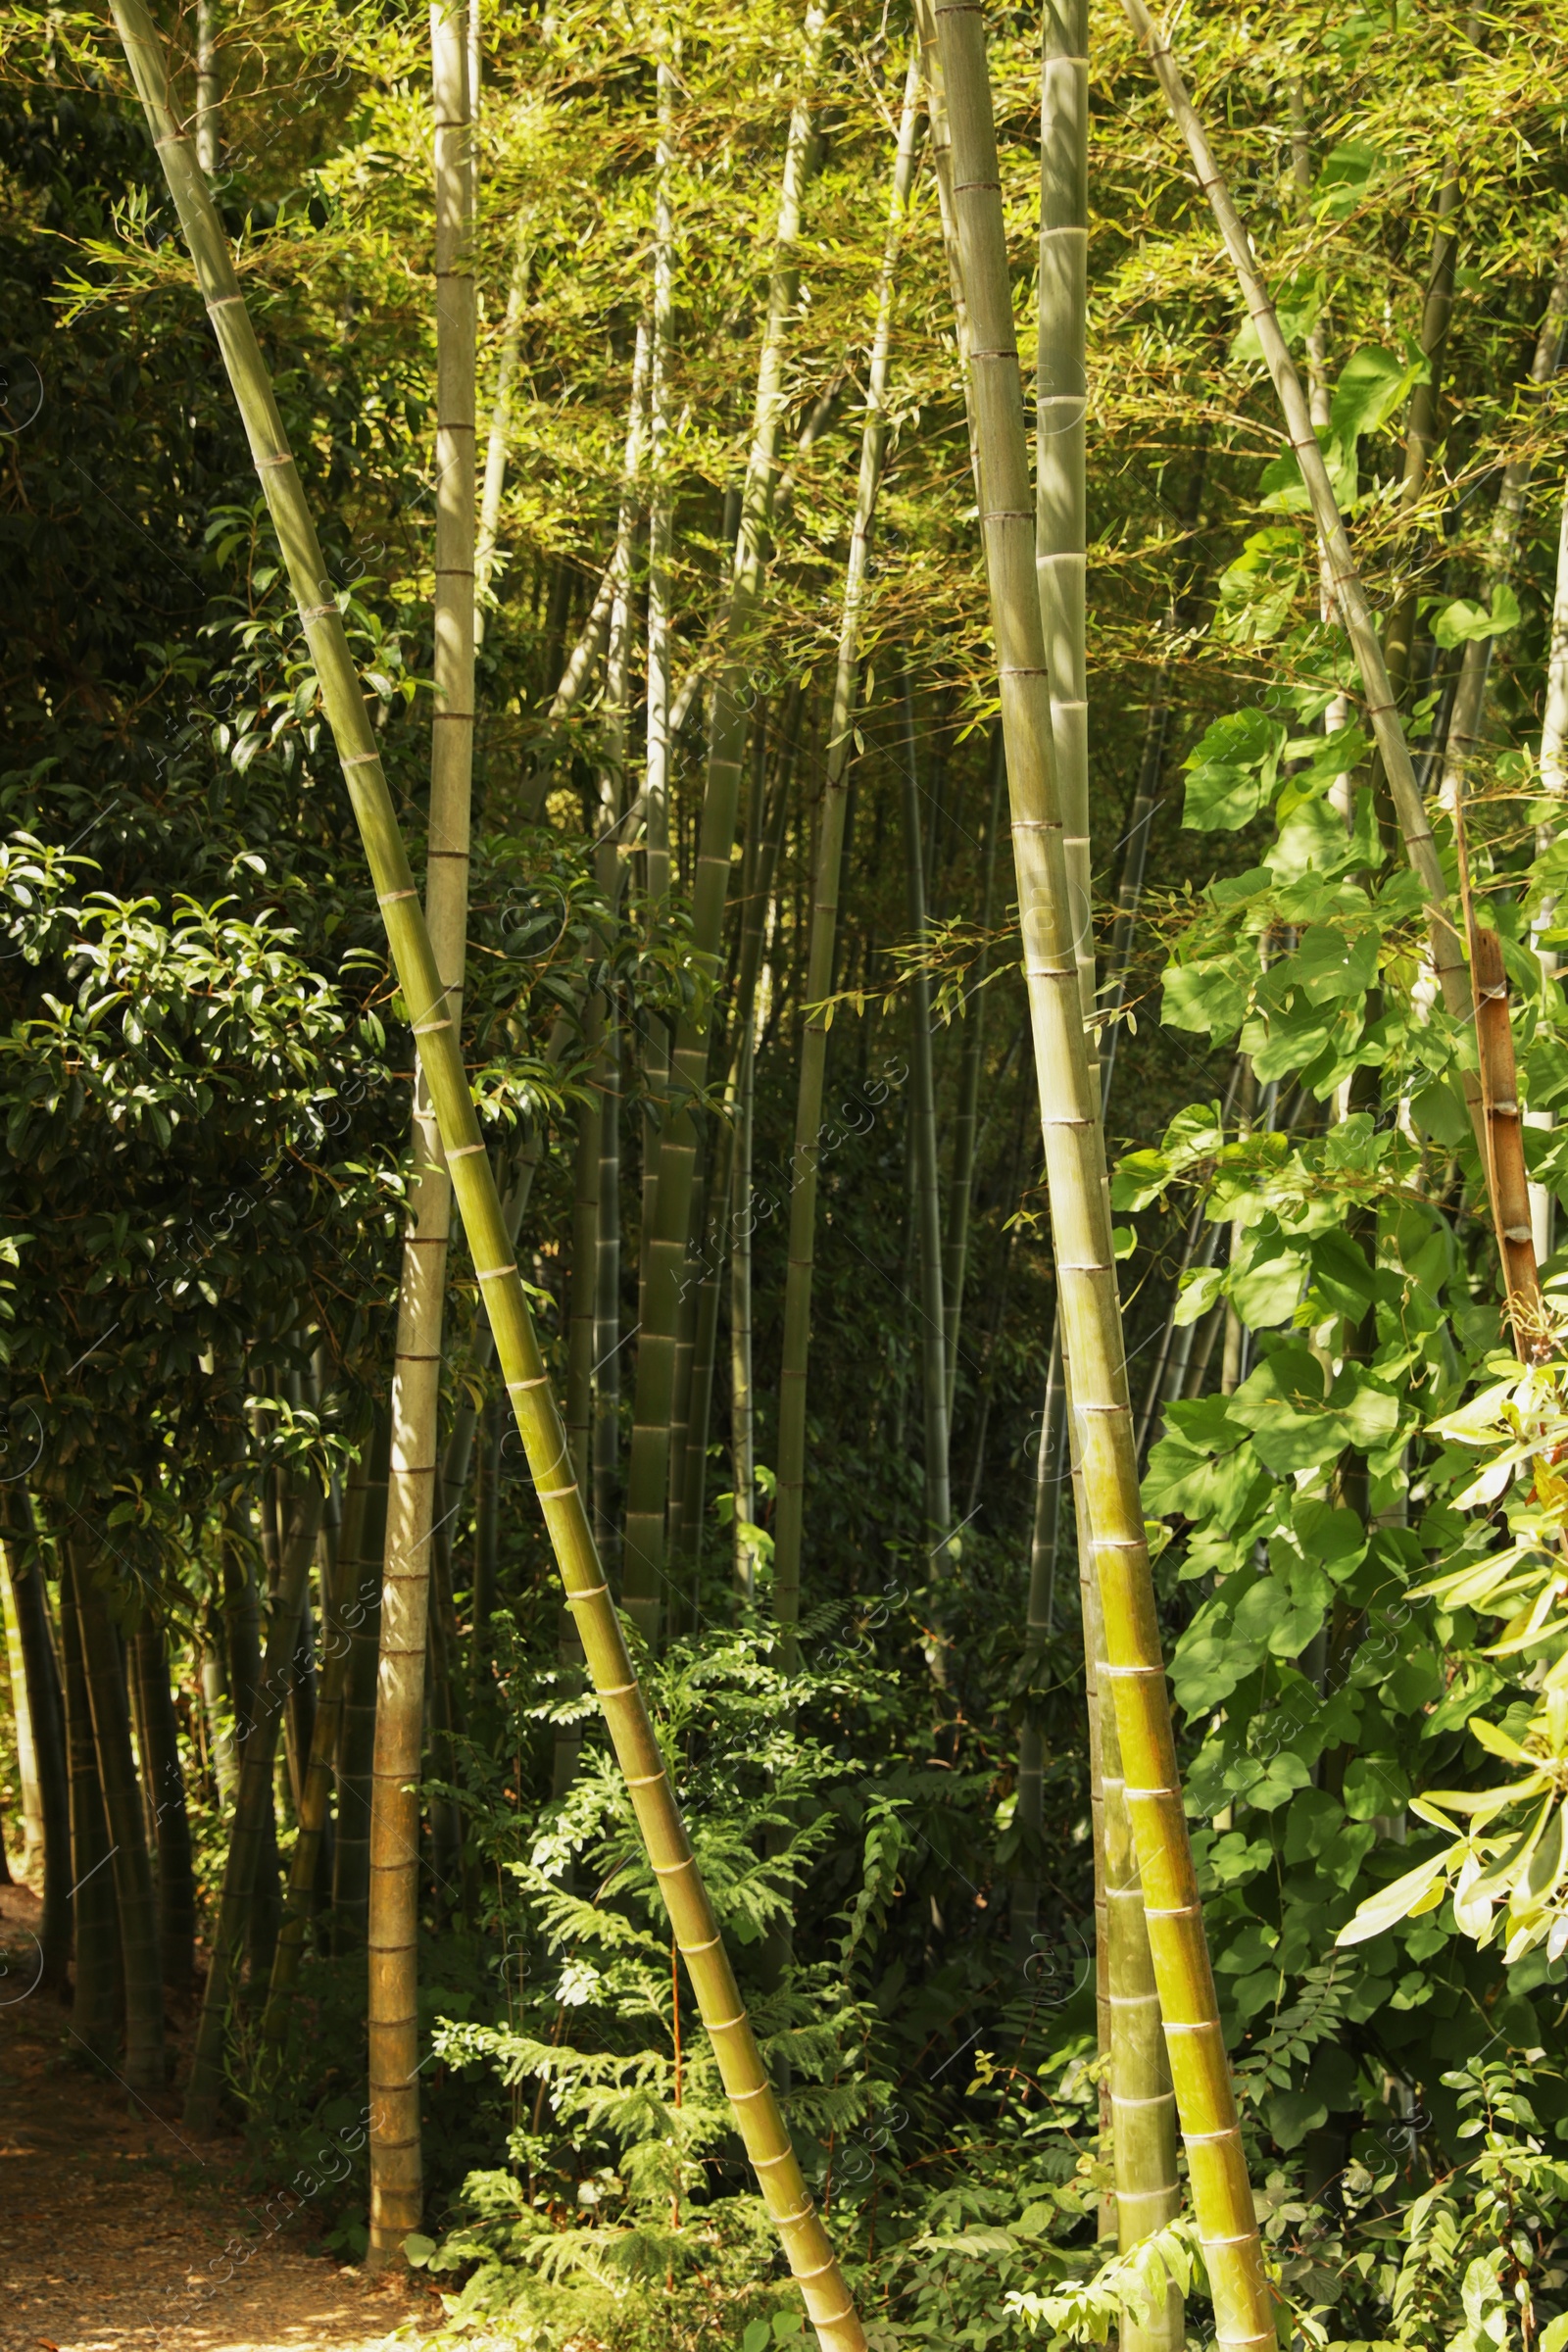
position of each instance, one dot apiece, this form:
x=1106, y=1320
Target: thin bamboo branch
x=759, y=2121
x=495, y=460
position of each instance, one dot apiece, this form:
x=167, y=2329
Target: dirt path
x=117, y=2230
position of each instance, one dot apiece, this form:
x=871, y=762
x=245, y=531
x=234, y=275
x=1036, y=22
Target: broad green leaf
x=1209, y=996
x=1232, y=773
x=1464, y=620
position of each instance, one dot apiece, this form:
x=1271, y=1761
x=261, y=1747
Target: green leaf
x=1209, y=996
x=418, y=2251
x=757, y=2337
x=1463, y=620
x=1232, y=773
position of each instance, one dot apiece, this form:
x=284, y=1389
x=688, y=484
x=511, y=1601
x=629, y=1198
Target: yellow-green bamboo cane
x=666, y=1243
x=1447, y=957
x=1142, y=2107
x=757, y=2118
x=1074, y=1150
x=316, y=1785
x=791, y=1495
x=396, y=2171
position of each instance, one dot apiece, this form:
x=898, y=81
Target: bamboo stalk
x=253, y=1804
x=965, y=1126
x=46, y=1710
x=805, y=1159
x=1448, y=958
x=495, y=459
x=34, y=1842
x=314, y=1794
x=94, y=1907
x=1075, y=1167
x=208, y=90
x=109, y=1703
x=927, y=1189
x=166, y=1784
x=396, y=2173
x=1505, y=1155
x=666, y=1236
x=607, y=1297
x=759, y=2121
x=366, y=1543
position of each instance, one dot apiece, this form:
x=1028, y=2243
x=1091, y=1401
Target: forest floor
x=119, y=2233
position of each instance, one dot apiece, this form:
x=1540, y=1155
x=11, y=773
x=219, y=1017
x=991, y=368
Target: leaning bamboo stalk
x=1355, y=613
x=397, y=2194
x=666, y=1242
x=759, y=2121
x=1505, y=1154
x=803, y=1163
x=1075, y=1167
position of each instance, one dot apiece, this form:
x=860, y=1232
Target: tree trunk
x=109, y=1703
x=1075, y=1170
x=176, y=1882
x=32, y=1830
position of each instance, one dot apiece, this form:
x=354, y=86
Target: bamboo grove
x=784, y=1349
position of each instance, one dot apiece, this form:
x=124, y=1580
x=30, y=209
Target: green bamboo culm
x=1143, y=2113
x=1075, y=1169
x=758, y=2118
x=791, y=1493
x=667, y=1230
x=253, y=1803
x=397, y=2192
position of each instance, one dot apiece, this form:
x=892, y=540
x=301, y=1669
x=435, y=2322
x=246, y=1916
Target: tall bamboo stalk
x=396, y=2172
x=165, y=1779
x=607, y=1293
x=46, y=1711
x=804, y=1162
x=94, y=1909
x=495, y=456
x=759, y=2121
x=927, y=1180
x=966, y=1125
x=314, y=1791
x=666, y=1242
x=253, y=1804
x=32, y=1830
x=209, y=91
x=1075, y=1169
x=109, y=1703
x=364, y=1539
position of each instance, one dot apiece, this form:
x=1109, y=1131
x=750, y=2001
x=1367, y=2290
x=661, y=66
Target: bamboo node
x=673, y=1870
x=592, y=1593
x=542, y=1382
x=614, y=1690
x=783, y=2221
x=553, y=1494
x=466, y=1152
x=640, y=1780
x=493, y=1273
x=287, y=459
x=373, y=760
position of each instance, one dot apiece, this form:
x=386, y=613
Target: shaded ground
x=117, y=2230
